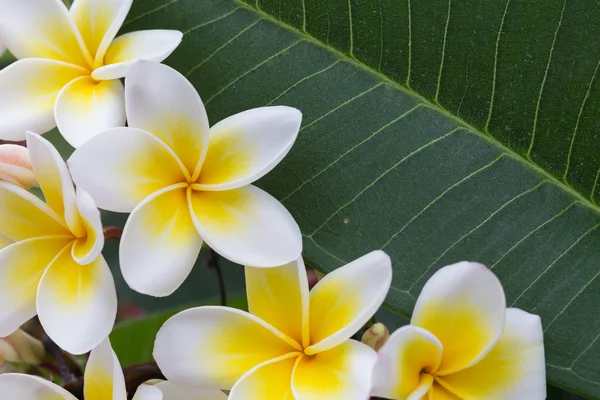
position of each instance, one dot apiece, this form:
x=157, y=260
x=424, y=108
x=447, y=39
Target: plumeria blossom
x=16, y=167
x=463, y=344
x=54, y=267
x=103, y=380
x=294, y=344
x=184, y=182
x=69, y=65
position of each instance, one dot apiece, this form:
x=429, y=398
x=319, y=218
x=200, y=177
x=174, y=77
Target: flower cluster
x=186, y=183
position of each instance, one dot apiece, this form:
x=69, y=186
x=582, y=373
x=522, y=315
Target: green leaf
x=133, y=340
x=438, y=131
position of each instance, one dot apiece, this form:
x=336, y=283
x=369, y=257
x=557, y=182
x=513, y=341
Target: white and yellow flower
x=15, y=166
x=103, y=380
x=69, y=65
x=54, y=267
x=184, y=183
x=292, y=345
x=463, y=344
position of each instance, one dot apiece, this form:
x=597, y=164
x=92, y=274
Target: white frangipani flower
x=184, y=183
x=69, y=65
x=293, y=344
x=15, y=166
x=463, y=344
x=103, y=380
x=54, y=266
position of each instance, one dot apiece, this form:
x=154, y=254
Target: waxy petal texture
x=88, y=248
x=86, y=107
x=28, y=387
x=80, y=297
x=212, y=347
x=172, y=392
x=29, y=89
x=122, y=166
x=246, y=146
x=271, y=380
x=103, y=379
x=162, y=102
x=159, y=245
x=345, y=299
x=344, y=372
x=463, y=305
x=247, y=225
x=279, y=296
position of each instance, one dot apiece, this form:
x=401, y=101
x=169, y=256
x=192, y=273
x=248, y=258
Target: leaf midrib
x=434, y=105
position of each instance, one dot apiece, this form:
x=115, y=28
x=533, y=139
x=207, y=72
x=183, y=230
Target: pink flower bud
x=376, y=336
x=22, y=348
x=15, y=166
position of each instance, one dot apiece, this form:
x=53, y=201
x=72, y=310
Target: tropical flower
x=103, y=380
x=69, y=66
x=292, y=344
x=463, y=343
x=55, y=259
x=184, y=183
x=20, y=347
x=15, y=166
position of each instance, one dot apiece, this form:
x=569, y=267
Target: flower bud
x=22, y=348
x=376, y=336
x=15, y=166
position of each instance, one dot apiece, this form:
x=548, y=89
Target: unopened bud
x=22, y=348
x=376, y=336
x=15, y=166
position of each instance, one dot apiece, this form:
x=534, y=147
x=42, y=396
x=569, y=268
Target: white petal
x=86, y=107
x=16, y=167
x=161, y=101
x=344, y=372
x=148, y=392
x=77, y=304
x=159, y=245
x=247, y=226
x=271, y=380
x=29, y=89
x=153, y=45
x=246, y=146
x=345, y=299
x=172, y=392
x=408, y=352
x=55, y=181
x=103, y=377
x=212, y=347
x=86, y=249
x=22, y=265
x=122, y=166
x=99, y=22
x=514, y=369
x=463, y=305
x=44, y=29
x=28, y=387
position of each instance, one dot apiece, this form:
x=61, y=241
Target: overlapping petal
x=271, y=380
x=103, y=379
x=345, y=299
x=22, y=265
x=4, y=241
x=80, y=297
x=172, y=392
x=279, y=296
x=513, y=369
x=169, y=108
x=409, y=353
x=160, y=244
x=86, y=107
x=54, y=180
x=25, y=216
x=99, y=22
x=16, y=167
x=212, y=347
x=246, y=146
x=463, y=305
x=43, y=29
x=87, y=248
x=152, y=45
x=122, y=166
x=344, y=372
x=148, y=392
x=247, y=226
x=29, y=89
x=28, y=387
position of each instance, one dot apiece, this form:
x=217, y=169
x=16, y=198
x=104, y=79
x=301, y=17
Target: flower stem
x=213, y=263
x=68, y=369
